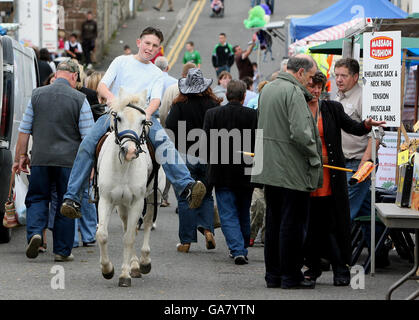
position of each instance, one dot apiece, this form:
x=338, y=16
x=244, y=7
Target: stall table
x=395, y=217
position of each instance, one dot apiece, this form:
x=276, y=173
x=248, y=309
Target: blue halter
x=130, y=135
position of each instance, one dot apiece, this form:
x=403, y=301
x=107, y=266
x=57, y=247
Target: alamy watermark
x=58, y=280
x=211, y=147
x=358, y=277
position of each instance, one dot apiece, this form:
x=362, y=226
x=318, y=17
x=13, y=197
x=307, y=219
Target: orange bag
x=362, y=173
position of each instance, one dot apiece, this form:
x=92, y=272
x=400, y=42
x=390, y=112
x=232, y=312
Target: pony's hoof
x=109, y=275
x=124, y=282
x=145, y=268
x=135, y=273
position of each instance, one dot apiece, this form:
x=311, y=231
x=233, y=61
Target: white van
x=18, y=77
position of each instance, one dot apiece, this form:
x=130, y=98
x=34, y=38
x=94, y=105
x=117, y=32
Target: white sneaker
x=60, y=258
x=89, y=66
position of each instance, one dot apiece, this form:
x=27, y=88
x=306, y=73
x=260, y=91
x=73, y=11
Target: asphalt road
x=206, y=31
x=200, y=274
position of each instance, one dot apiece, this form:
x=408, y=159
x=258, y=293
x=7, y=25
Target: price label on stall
x=382, y=80
x=402, y=157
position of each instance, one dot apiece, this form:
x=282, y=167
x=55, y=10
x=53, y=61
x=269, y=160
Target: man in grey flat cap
x=57, y=130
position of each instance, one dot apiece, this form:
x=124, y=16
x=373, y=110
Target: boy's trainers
x=70, y=209
x=33, y=246
x=240, y=260
x=194, y=193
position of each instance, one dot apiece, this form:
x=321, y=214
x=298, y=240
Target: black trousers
x=322, y=237
x=88, y=46
x=286, y=223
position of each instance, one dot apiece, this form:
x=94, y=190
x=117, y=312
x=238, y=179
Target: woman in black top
x=187, y=113
x=329, y=219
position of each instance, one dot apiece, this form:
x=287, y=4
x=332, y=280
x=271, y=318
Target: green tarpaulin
x=335, y=46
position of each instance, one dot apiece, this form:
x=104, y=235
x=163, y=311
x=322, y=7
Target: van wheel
x=5, y=234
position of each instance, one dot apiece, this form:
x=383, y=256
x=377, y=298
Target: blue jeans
x=37, y=203
x=201, y=218
x=175, y=169
x=87, y=223
x=52, y=207
x=360, y=204
x=221, y=69
x=255, y=3
x=234, y=210
x=270, y=4
x=359, y=194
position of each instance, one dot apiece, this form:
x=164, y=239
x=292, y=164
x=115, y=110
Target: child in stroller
x=217, y=7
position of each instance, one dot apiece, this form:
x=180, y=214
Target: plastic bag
x=21, y=189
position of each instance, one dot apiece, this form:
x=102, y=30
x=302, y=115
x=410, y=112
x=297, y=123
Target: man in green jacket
x=222, y=55
x=289, y=158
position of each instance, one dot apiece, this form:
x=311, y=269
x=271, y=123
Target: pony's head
x=128, y=121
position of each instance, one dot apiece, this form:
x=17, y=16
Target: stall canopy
x=335, y=47
x=332, y=33
x=340, y=12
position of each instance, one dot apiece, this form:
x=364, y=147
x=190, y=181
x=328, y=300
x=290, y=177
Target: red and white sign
x=381, y=77
x=49, y=25
x=381, y=48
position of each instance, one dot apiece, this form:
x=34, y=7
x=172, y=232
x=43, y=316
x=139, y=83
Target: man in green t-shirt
x=191, y=55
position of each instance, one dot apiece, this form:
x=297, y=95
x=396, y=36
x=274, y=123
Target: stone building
x=109, y=15
x=6, y=12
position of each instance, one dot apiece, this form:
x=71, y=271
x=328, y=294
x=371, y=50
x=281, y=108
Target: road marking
x=179, y=38
x=186, y=31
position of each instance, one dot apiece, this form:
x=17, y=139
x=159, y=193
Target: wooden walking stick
x=360, y=175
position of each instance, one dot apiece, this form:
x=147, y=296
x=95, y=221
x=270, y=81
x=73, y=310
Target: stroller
x=217, y=8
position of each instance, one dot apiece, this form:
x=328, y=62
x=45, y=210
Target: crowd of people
x=273, y=182
x=70, y=47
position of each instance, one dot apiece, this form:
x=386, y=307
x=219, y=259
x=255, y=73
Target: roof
x=343, y=11
x=332, y=33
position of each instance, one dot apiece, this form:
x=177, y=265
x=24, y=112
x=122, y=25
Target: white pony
x=124, y=165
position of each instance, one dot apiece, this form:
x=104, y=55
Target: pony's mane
x=120, y=103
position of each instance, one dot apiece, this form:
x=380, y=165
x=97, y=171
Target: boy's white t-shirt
x=134, y=77
x=68, y=44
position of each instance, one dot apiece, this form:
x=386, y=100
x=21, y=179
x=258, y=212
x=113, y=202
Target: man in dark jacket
x=56, y=139
x=230, y=176
x=222, y=55
x=89, y=35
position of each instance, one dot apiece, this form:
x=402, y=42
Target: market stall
x=340, y=12
x=409, y=56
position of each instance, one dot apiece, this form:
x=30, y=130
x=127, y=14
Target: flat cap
x=69, y=66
